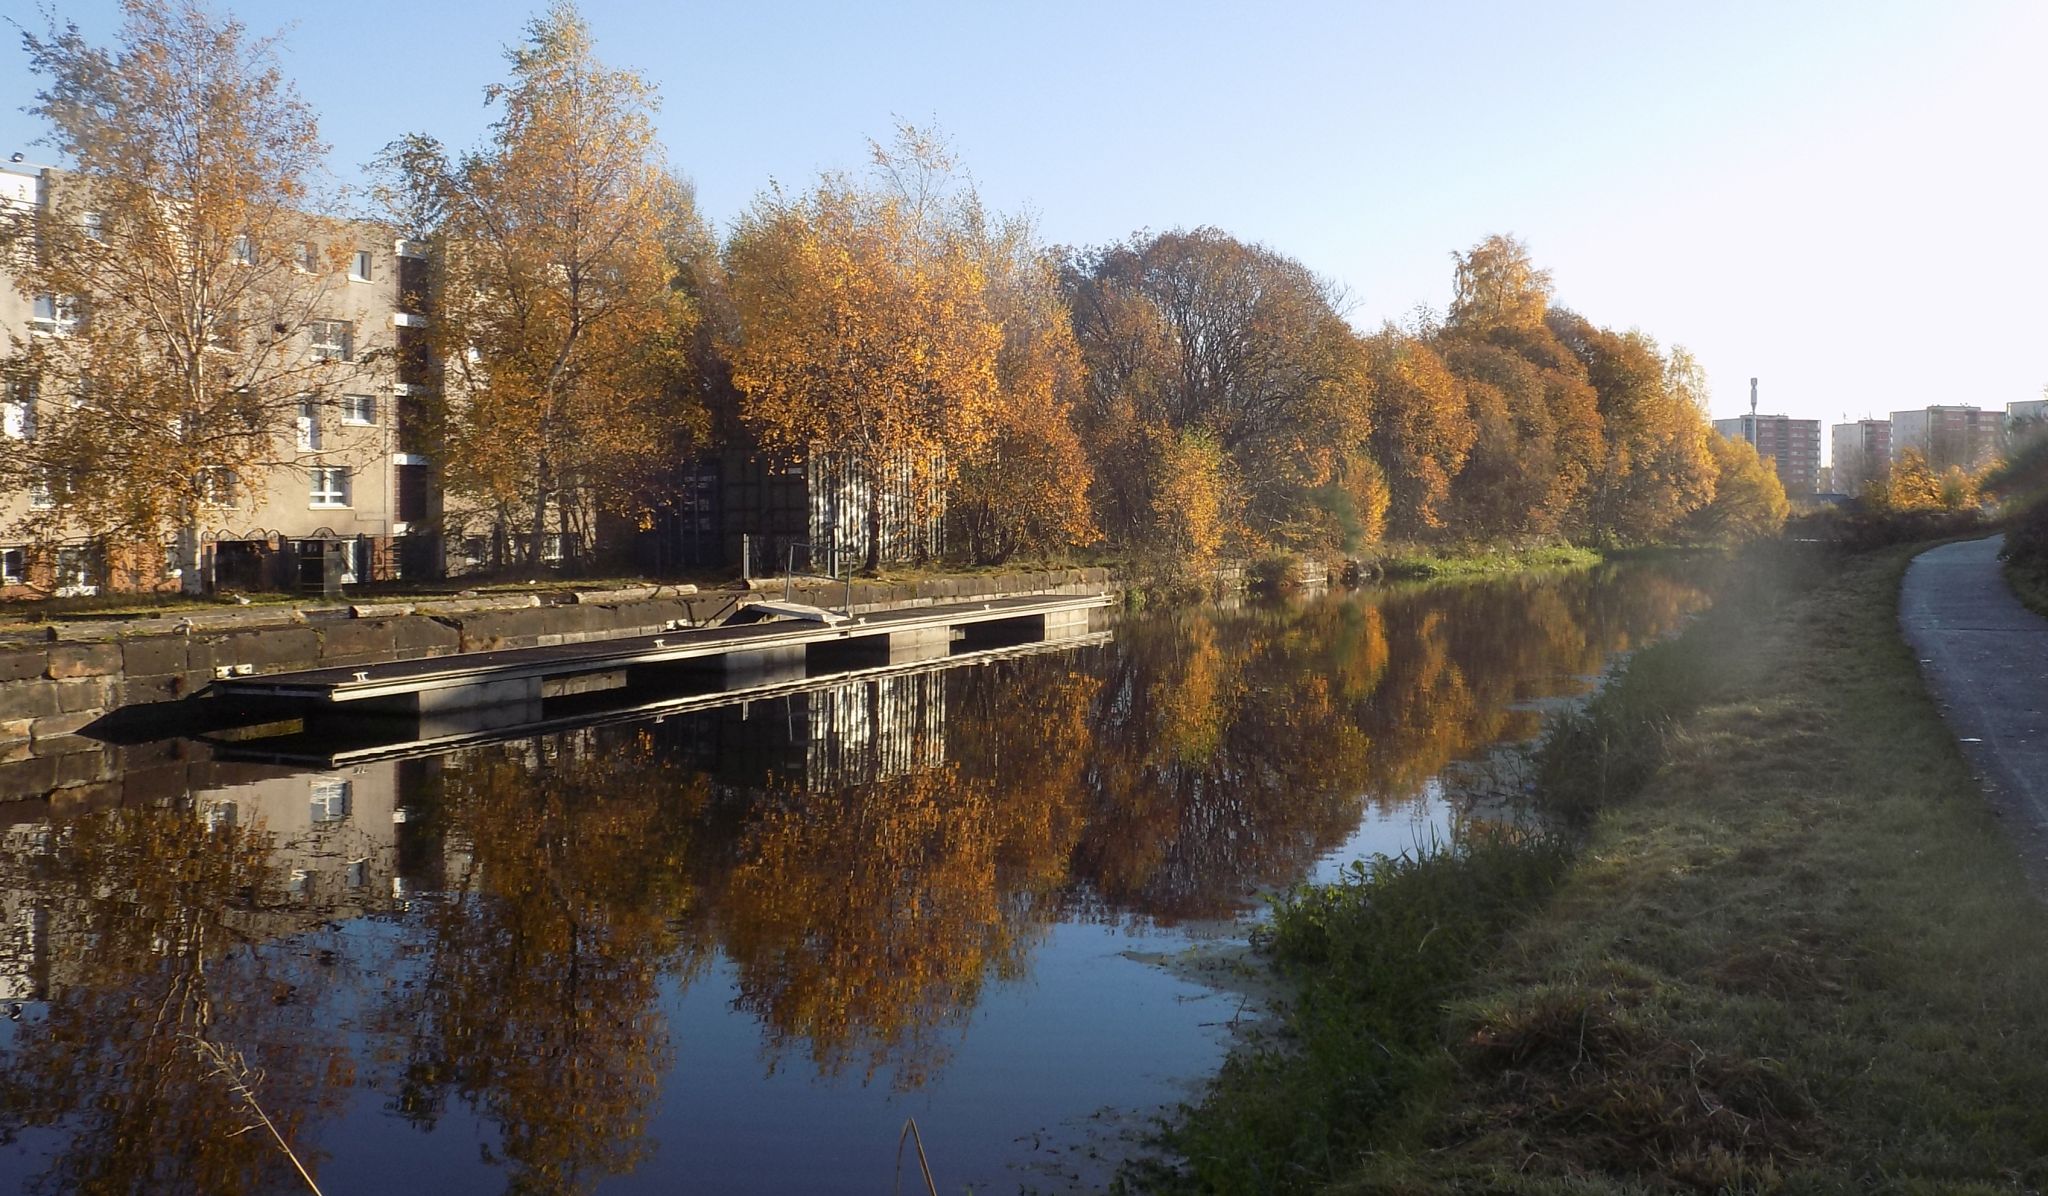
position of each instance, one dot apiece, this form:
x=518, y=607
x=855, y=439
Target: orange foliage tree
x=1658, y=468
x=1537, y=426
x=1422, y=429
x=1749, y=499
x=1026, y=490
x=559, y=317
x=865, y=324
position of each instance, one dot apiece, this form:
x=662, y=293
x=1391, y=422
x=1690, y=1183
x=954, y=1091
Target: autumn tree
x=1196, y=500
x=1749, y=499
x=1026, y=489
x=1199, y=334
x=172, y=281
x=560, y=321
x=1498, y=286
x=865, y=326
x=1538, y=436
x=1422, y=429
x=1657, y=467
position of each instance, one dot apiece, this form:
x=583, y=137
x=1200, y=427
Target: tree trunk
x=190, y=580
x=540, y=518
x=872, y=564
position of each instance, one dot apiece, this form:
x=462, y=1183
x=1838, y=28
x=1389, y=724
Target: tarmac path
x=1985, y=659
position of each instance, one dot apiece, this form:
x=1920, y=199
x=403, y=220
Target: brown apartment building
x=1791, y=445
x=348, y=493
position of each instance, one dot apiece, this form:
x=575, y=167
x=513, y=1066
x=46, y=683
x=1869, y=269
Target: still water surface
x=732, y=951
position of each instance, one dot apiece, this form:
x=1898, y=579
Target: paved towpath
x=1985, y=658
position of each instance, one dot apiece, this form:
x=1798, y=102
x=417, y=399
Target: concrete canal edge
x=58, y=681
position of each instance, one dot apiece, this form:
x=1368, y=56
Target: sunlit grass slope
x=1793, y=951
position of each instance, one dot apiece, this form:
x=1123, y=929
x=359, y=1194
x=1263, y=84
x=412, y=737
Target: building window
x=330, y=487
x=358, y=874
x=95, y=226
x=53, y=313
x=41, y=495
x=359, y=266
x=13, y=566
x=216, y=485
x=309, y=425
x=76, y=575
x=309, y=257
x=360, y=410
x=18, y=412
x=333, y=340
x=330, y=800
x=221, y=817
x=245, y=251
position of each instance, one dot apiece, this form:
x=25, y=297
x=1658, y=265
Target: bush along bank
x=1778, y=942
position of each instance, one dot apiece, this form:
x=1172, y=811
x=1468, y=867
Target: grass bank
x=1788, y=948
x=2031, y=584
x=1406, y=564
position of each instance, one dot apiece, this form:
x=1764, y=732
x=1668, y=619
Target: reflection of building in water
x=24, y=919
x=333, y=854
x=867, y=731
x=850, y=734
x=335, y=842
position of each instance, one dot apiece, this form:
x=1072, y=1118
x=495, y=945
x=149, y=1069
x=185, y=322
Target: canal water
x=735, y=950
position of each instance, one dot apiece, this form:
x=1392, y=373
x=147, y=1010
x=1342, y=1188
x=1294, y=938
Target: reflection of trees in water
x=869, y=856
x=536, y=997
x=144, y=919
x=864, y=919
x=1234, y=747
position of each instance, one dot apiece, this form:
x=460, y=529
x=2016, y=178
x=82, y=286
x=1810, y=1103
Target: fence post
x=747, y=557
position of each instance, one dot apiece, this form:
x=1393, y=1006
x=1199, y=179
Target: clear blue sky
x=1844, y=199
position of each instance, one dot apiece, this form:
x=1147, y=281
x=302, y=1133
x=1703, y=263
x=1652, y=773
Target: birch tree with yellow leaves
x=171, y=289
x=560, y=323
x=865, y=326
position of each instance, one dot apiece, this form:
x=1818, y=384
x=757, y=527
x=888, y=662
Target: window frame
x=216, y=486
x=354, y=407
x=62, y=317
x=307, y=424
x=76, y=560
x=361, y=266
x=332, y=800
x=18, y=411
x=342, y=349
x=330, y=487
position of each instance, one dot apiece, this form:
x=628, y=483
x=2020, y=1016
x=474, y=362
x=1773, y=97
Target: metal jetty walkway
x=745, y=654
x=347, y=743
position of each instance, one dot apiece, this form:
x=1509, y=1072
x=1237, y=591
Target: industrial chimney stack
x=1752, y=398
